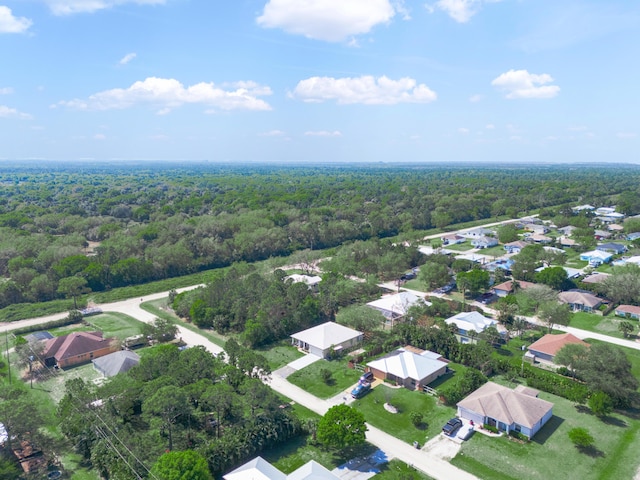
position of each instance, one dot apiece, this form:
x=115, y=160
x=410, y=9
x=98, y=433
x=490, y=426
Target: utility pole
x=6, y=336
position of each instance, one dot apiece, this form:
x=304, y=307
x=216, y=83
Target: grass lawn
x=310, y=379
x=495, y=252
x=459, y=247
x=114, y=324
x=397, y=470
x=597, y=323
x=278, y=355
x=552, y=455
x=406, y=401
x=415, y=284
x=54, y=385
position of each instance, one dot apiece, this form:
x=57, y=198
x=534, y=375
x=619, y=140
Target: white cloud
x=463, y=130
x=625, y=135
x=127, y=58
x=577, y=128
x=522, y=84
x=460, y=10
x=6, y=112
x=99, y=136
x=328, y=20
x=365, y=90
x=6, y=91
x=11, y=24
x=323, y=133
x=272, y=133
x=490, y=126
x=476, y=98
x=69, y=7
x=168, y=93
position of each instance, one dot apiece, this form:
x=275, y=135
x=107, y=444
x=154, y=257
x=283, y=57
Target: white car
x=465, y=432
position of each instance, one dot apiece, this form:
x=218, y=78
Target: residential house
x=410, y=367
x=628, y=311
x=77, y=348
x=538, y=238
x=567, y=242
x=545, y=349
x=470, y=324
x=453, y=239
x=596, y=257
x=311, y=281
x=580, y=300
x=580, y=208
x=568, y=230
x=615, y=228
x=515, y=247
x=602, y=234
x=633, y=236
x=597, y=277
x=519, y=410
x=395, y=307
x=505, y=288
x=484, y=242
x=477, y=232
x=116, y=362
x=537, y=228
x=323, y=340
x=501, y=264
x=615, y=248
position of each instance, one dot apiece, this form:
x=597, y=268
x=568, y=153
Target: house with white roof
x=409, y=368
x=395, y=307
x=467, y=322
x=596, y=257
x=311, y=281
x=323, y=340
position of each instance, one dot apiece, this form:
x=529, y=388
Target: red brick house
x=77, y=348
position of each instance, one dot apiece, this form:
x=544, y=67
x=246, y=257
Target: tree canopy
x=342, y=426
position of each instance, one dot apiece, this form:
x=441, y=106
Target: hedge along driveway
x=552, y=455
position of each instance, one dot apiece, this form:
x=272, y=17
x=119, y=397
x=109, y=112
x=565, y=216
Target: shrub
x=491, y=428
x=581, y=437
x=416, y=418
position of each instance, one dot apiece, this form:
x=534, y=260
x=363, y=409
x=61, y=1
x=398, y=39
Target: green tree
x=507, y=233
x=361, y=318
x=342, y=426
x=184, y=465
x=554, y=277
x=581, y=438
x=161, y=330
x=572, y=356
x=554, y=313
x=416, y=418
x=19, y=413
x=434, y=275
x=475, y=281
x=168, y=403
x=600, y=404
x=626, y=328
x=73, y=287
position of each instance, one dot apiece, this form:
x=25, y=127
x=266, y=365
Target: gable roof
x=311, y=470
x=579, y=298
x=517, y=244
x=116, y=362
x=597, y=277
x=75, y=344
x=310, y=280
x=398, y=303
x=325, y=335
x=406, y=364
x=256, y=469
x=599, y=254
x=506, y=405
x=550, y=344
x=471, y=321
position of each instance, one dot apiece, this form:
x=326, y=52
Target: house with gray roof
x=116, y=362
x=580, y=300
x=518, y=410
x=396, y=306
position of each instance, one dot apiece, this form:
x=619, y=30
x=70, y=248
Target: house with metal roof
x=409, y=368
x=518, y=410
x=323, y=340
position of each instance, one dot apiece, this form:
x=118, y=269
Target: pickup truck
x=451, y=426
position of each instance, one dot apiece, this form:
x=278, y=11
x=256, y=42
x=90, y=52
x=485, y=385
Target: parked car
x=367, y=377
x=360, y=390
x=451, y=426
x=465, y=432
x=487, y=298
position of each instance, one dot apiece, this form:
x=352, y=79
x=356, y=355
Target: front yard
x=600, y=324
x=310, y=378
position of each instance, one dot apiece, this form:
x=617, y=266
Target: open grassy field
x=310, y=379
x=280, y=354
x=114, y=324
x=552, y=455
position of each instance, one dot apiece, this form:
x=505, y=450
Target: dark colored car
x=451, y=426
x=360, y=390
x=367, y=377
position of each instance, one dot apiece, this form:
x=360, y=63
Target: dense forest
x=67, y=229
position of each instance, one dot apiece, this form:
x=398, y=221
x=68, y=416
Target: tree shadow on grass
x=591, y=451
x=613, y=421
x=503, y=352
x=549, y=429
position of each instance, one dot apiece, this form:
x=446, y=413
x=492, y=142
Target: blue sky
x=320, y=80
